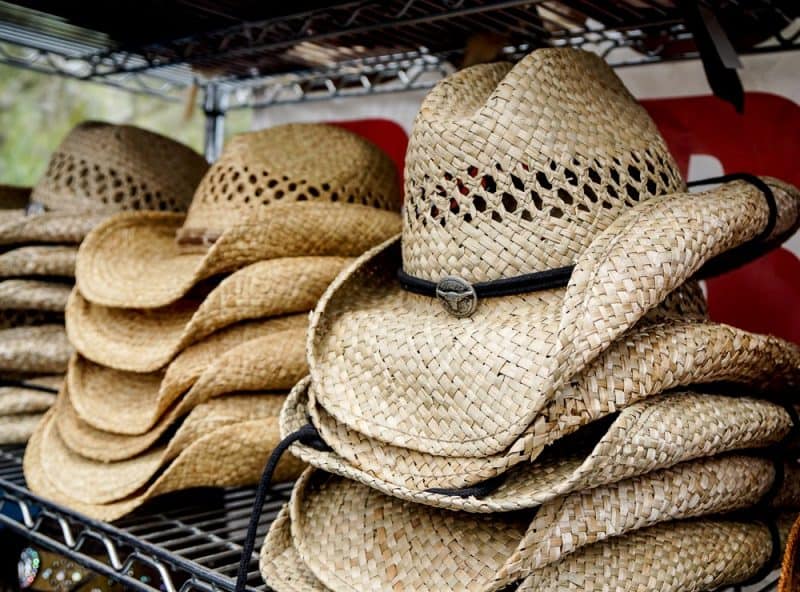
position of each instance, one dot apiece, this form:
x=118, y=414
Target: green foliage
x=37, y=111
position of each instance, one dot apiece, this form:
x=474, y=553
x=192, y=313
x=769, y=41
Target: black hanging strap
x=307, y=435
x=479, y=490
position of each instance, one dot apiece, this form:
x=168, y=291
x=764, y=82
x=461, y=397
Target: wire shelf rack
x=190, y=541
x=367, y=46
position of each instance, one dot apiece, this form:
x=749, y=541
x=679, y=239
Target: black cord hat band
x=460, y=297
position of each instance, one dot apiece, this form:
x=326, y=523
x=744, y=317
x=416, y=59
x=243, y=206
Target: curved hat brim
x=19, y=228
x=337, y=524
x=146, y=340
x=33, y=294
x=226, y=456
x=25, y=397
x=40, y=349
x=712, y=552
x=648, y=360
x=46, y=260
x=17, y=429
x=131, y=403
x=656, y=433
x=472, y=386
x=129, y=248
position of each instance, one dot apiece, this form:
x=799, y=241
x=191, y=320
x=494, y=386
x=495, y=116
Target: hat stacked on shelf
x=520, y=391
x=177, y=319
x=97, y=170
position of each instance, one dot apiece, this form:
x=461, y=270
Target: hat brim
x=117, y=258
x=19, y=228
x=47, y=260
x=40, y=349
x=398, y=367
x=266, y=354
x=226, y=456
x=25, y=397
x=17, y=429
x=33, y=294
x=648, y=360
x=337, y=524
x=146, y=340
x=712, y=552
x=645, y=436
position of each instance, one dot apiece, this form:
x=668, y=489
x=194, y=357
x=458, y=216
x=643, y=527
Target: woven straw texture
x=650, y=359
x=652, y=434
x=145, y=340
x=300, y=189
x=339, y=527
x=790, y=568
x=28, y=318
x=42, y=349
x=266, y=354
x=17, y=429
x=18, y=399
x=85, y=439
x=99, y=169
x=48, y=260
x=677, y=556
x=34, y=294
x=226, y=445
x=508, y=174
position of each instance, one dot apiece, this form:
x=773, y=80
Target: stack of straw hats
x=541, y=401
x=98, y=169
x=171, y=312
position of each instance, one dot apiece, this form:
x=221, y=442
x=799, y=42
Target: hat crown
x=515, y=169
x=299, y=162
x=102, y=167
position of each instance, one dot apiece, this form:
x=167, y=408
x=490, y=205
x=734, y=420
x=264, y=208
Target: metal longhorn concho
x=457, y=295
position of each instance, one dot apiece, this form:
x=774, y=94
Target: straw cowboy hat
x=648, y=435
x=17, y=428
x=39, y=260
x=790, y=569
x=98, y=169
x=223, y=443
x=351, y=537
x=544, y=218
x=32, y=395
x=40, y=349
x=145, y=340
x=298, y=189
x=272, y=361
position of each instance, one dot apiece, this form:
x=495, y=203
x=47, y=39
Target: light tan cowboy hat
x=223, y=443
x=145, y=340
x=298, y=189
x=272, y=361
x=99, y=169
x=40, y=349
x=515, y=174
x=352, y=538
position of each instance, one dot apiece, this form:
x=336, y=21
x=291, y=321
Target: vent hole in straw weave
x=479, y=203
x=526, y=215
x=334, y=196
x=614, y=176
x=488, y=183
x=498, y=167
x=448, y=177
x=313, y=191
x=664, y=178
x=556, y=212
x=543, y=181
x=633, y=193
x=235, y=176
x=564, y=196
x=272, y=183
x=616, y=161
x=594, y=176
x=571, y=177
x=467, y=217
x=434, y=211
x=472, y=171
x=517, y=182
x=292, y=186
x=351, y=199
x=607, y=204
x=496, y=217
x=440, y=191
x=278, y=194
x=634, y=172
x=326, y=187
x=611, y=191
x=454, y=207
x=301, y=197
x=583, y=207
x=651, y=187
x=462, y=189
x=253, y=179
x=589, y=192
x=537, y=200
x=509, y=203
x=553, y=165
